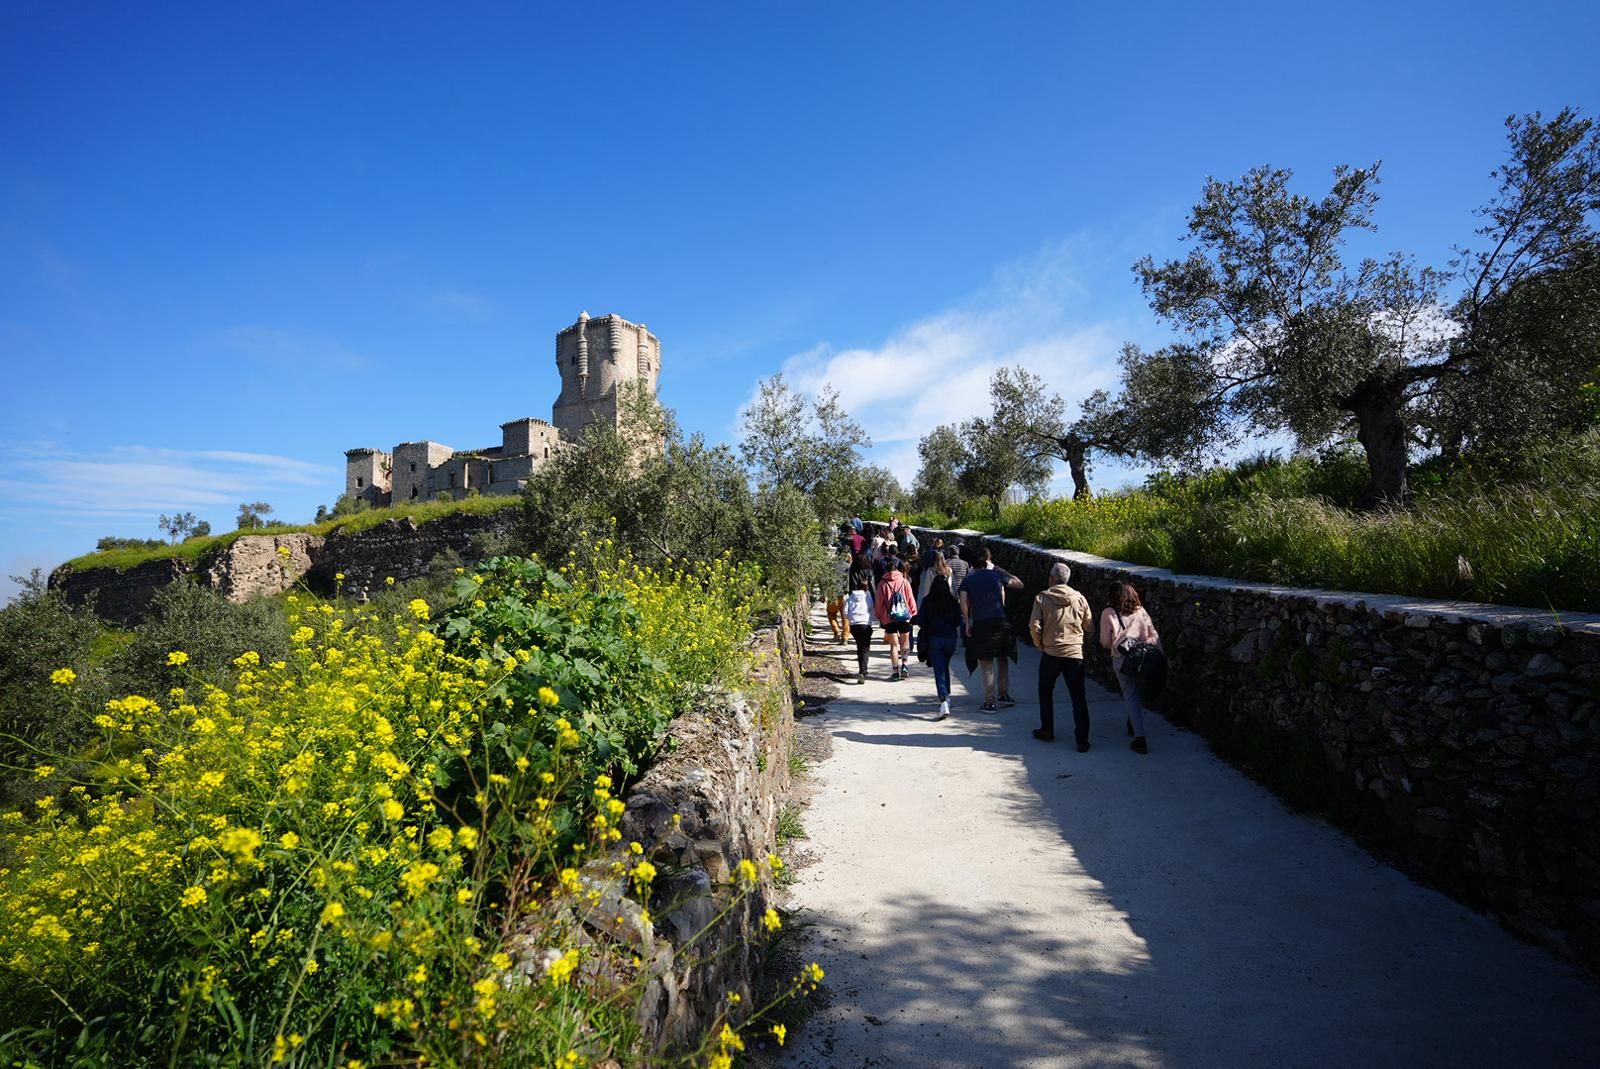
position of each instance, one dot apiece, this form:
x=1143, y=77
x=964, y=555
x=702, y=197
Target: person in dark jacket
x=937, y=618
x=990, y=643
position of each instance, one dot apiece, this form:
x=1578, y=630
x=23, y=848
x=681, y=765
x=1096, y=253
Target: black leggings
x=862, y=633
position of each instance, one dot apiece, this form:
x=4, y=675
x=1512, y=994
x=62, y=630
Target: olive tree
x=944, y=455
x=1291, y=338
x=811, y=444
x=1101, y=426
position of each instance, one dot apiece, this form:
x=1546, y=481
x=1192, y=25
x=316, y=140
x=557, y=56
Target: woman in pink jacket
x=1126, y=621
x=896, y=604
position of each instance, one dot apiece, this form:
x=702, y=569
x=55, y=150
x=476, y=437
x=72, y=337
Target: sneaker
x=988, y=707
x=944, y=709
x=861, y=678
x=1083, y=745
x=1044, y=736
x=1138, y=745
x=1006, y=699
x=905, y=673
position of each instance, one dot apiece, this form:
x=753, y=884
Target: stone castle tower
x=596, y=358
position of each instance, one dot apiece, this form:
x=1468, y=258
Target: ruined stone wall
x=1461, y=740
x=252, y=565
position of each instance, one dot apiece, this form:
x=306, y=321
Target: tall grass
x=1524, y=535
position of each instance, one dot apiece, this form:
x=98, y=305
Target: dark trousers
x=1070, y=668
x=862, y=633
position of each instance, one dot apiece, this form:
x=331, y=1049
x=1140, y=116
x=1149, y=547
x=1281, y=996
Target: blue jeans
x=1131, y=703
x=940, y=650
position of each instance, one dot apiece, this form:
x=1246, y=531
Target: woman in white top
x=859, y=610
x=1126, y=620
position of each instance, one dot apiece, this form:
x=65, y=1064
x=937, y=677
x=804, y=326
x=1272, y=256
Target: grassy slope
x=123, y=559
x=1530, y=539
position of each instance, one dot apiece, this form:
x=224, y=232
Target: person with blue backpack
x=897, y=604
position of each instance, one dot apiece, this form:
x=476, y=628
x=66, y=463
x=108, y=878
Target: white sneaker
x=944, y=708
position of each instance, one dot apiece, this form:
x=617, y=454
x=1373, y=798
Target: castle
x=595, y=357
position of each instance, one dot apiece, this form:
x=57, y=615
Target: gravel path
x=979, y=898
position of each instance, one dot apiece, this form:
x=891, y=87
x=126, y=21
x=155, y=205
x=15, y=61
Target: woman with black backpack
x=1126, y=629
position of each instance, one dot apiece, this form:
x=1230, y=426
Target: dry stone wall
x=711, y=800
x=1462, y=740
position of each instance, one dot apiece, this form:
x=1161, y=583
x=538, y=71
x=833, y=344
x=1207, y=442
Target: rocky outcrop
x=1462, y=740
x=352, y=565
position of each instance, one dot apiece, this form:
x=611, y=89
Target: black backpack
x=1148, y=664
x=1144, y=661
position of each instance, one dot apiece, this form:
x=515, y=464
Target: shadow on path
x=996, y=901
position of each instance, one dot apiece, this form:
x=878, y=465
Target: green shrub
x=41, y=633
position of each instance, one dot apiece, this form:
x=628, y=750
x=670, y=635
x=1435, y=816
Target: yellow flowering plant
x=325, y=862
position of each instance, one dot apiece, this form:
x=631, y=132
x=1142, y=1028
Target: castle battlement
x=595, y=357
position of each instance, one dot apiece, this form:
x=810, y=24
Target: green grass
x=194, y=549
x=799, y=765
x=1529, y=538
x=789, y=826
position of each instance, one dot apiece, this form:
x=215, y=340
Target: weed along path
x=982, y=899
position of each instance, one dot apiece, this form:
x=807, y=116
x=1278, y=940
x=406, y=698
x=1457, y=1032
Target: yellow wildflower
x=63, y=677
x=177, y=657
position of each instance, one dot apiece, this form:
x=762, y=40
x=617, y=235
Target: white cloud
x=143, y=480
x=458, y=304
x=936, y=370
x=274, y=345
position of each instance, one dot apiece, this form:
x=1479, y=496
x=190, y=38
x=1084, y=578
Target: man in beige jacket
x=1059, y=621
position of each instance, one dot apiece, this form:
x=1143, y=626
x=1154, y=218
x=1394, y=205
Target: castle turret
x=366, y=475
x=595, y=357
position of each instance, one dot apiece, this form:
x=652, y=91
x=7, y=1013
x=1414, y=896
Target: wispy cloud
x=276, y=346
x=458, y=304
x=41, y=478
x=936, y=370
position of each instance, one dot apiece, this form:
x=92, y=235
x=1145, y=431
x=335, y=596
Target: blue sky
x=236, y=240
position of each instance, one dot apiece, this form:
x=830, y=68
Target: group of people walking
x=947, y=597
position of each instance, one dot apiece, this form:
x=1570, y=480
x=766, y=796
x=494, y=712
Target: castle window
x=413, y=489
x=358, y=482
x=547, y=452
x=413, y=466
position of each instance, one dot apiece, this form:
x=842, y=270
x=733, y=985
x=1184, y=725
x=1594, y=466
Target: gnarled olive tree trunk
x=1379, y=408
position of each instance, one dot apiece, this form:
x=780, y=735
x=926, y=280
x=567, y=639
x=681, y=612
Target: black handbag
x=1144, y=661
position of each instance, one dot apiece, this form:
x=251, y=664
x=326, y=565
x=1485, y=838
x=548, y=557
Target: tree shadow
x=1218, y=927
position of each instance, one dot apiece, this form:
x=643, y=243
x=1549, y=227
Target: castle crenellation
x=595, y=357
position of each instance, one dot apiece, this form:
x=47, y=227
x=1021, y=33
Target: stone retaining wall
x=252, y=565
x=1462, y=740
x=711, y=800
